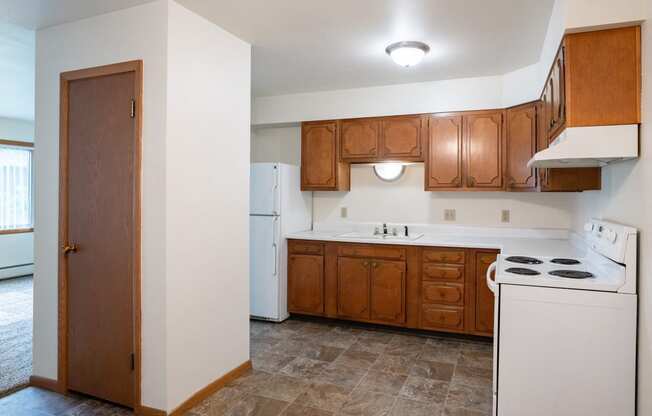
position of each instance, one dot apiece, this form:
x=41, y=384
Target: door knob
x=70, y=248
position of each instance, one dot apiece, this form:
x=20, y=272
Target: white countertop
x=529, y=243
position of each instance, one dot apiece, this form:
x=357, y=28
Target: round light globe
x=407, y=53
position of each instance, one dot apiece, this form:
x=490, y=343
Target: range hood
x=580, y=147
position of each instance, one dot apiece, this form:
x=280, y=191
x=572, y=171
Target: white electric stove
x=565, y=329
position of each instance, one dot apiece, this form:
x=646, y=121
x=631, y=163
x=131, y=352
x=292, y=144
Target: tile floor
x=320, y=369
x=306, y=368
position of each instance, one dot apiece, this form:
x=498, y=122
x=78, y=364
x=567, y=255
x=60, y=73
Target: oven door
x=495, y=288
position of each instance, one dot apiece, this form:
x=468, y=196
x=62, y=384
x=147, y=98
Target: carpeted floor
x=16, y=298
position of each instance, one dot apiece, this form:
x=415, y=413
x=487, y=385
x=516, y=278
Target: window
x=15, y=186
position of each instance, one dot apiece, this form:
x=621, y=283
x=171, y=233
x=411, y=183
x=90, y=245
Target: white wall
x=279, y=144
x=16, y=249
x=207, y=202
x=405, y=201
x=136, y=33
x=625, y=197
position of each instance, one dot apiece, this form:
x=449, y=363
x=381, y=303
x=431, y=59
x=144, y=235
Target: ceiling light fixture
x=407, y=53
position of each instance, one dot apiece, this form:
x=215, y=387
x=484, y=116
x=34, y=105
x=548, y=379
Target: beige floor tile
x=380, y=382
x=404, y=407
x=341, y=375
x=433, y=370
x=302, y=367
x=396, y=364
x=424, y=390
x=469, y=397
x=282, y=387
x=359, y=359
x=300, y=410
x=367, y=403
x=324, y=396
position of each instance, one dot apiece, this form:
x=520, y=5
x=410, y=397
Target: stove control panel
x=609, y=239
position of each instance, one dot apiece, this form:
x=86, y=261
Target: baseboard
x=202, y=394
x=148, y=411
x=45, y=383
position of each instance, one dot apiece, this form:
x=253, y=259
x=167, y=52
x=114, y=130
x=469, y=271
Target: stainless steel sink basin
x=371, y=236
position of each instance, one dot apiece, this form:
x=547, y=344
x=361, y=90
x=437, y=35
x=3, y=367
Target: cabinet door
x=388, y=291
x=353, y=287
x=444, y=152
x=521, y=145
x=306, y=284
x=558, y=104
x=401, y=138
x=320, y=165
x=359, y=139
x=483, y=144
x=484, y=298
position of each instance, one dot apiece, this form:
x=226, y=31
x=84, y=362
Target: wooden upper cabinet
x=444, y=152
x=520, y=146
x=401, y=137
x=306, y=284
x=321, y=169
x=387, y=287
x=603, y=77
x=557, y=109
x=353, y=287
x=483, y=149
x=360, y=139
x=484, y=298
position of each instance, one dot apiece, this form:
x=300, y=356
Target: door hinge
x=132, y=111
x=133, y=361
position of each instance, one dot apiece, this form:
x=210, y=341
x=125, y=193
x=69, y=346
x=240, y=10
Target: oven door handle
x=491, y=284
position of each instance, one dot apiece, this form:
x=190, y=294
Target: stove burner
x=566, y=262
x=523, y=260
x=571, y=274
x=523, y=271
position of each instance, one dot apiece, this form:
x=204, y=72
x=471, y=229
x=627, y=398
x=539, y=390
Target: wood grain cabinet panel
x=484, y=298
x=401, y=137
x=442, y=318
x=306, y=284
x=353, y=288
x=305, y=247
x=520, y=146
x=483, y=148
x=388, y=291
x=442, y=293
x=444, y=152
x=448, y=272
x=321, y=169
x=442, y=255
x=360, y=139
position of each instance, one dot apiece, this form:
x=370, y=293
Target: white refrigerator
x=277, y=207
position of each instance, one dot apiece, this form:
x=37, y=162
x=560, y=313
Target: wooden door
x=401, y=137
x=388, y=291
x=483, y=149
x=521, y=145
x=360, y=139
x=306, y=284
x=100, y=214
x=484, y=298
x=320, y=165
x=444, y=152
x=353, y=287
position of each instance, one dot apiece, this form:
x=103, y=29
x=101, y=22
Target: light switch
x=449, y=214
x=504, y=215
x=344, y=212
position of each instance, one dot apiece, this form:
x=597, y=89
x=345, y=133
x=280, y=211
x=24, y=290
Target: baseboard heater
x=7, y=272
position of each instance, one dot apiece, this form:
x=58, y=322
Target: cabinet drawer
x=305, y=247
x=440, y=293
x=372, y=251
x=441, y=317
x=433, y=271
x=443, y=256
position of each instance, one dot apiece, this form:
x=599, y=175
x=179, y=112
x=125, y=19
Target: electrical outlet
x=449, y=214
x=504, y=215
x=344, y=212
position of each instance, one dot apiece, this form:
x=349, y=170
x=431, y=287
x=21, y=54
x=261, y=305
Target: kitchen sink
x=371, y=236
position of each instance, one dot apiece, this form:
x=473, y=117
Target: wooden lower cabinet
x=353, y=288
x=306, y=284
x=484, y=298
x=387, y=291
x=429, y=288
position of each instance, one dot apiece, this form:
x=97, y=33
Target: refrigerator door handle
x=275, y=247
